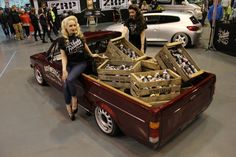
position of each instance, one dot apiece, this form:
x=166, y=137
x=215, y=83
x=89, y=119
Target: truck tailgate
x=176, y=114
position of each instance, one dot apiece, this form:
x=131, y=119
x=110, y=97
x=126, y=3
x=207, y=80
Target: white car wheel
x=181, y=37
x=38, y=76
x=105, y=122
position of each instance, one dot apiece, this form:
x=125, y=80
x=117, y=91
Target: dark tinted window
x=194, y=20
x=152, y=19
x=169, y=19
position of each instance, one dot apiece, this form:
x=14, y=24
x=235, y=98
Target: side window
x=56, y=53
x=178, y=2
x=169, y=19
x=155, y=19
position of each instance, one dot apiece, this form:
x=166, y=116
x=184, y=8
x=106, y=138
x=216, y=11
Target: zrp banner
x=110, y=4
x=73, y=5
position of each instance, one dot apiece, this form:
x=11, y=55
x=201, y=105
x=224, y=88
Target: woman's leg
x=67, y=96
x=71, y=81
x=44, y=31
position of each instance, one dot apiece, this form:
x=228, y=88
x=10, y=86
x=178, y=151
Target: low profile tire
x=39, y=76
x=181, y=37
x=105, y=122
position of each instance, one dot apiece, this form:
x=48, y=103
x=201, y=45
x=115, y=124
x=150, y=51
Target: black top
x=135, y=29
x=15, y=18
x=34, y=19
x=74, y=49
x=3, y=19
x=43, y=20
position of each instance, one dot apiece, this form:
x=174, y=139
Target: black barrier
x=225, y=38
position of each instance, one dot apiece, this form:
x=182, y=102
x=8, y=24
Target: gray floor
x=33, y=121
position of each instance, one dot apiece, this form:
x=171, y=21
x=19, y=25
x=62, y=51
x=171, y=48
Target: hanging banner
x=67, y=5
x=111, y=4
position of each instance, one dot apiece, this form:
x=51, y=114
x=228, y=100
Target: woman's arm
x=64, y=65
x=143, y=36
x=125, y=31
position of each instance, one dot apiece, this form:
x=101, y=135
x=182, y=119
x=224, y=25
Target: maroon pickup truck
x=116, y=110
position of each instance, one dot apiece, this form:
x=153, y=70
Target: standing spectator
x=52, y=21
x=136, y=25
x=219, y=13
x=144, y=7
x=35, y=23
x=14, y=15
x=204, y=11
x=44, y=23
x=10, y=23
x=154, y=4
x=25, y=20
x=226, y=4
x=3, y=23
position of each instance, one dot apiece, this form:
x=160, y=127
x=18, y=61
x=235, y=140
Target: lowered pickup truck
x=116, y=110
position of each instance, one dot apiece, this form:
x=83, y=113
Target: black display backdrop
x=225, y=38
x=106, y=15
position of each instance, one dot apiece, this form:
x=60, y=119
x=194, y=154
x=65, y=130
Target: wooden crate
x=150, y=64
x=117, y=78
x=114, y=53
x=167, y=89
x=166, y=60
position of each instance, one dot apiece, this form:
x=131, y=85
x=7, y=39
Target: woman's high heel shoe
x=72, y=116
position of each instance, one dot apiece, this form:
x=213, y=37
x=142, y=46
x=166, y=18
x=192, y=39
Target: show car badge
x=53, y=74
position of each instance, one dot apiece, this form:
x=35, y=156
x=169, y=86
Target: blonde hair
x=64, y=25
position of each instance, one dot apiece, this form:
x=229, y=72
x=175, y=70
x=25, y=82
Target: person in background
x=226, y=4
x=136, y=25
x=15, y=18
x=10, y=23
x=35, y=23
x=52, y=21
x=75, y=53
x=4, y=23
x=145, y=7
x=44, y=24
x=204, y=9
x=25, y=20
x=219, y=13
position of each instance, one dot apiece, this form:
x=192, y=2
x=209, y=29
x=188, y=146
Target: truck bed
x=172, y=116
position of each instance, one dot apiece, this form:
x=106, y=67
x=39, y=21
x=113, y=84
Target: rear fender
x=108, y=109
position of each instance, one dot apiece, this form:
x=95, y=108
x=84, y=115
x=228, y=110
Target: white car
x=169, y=26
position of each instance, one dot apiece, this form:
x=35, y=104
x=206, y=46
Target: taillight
x=154, y=132
x=193, y=28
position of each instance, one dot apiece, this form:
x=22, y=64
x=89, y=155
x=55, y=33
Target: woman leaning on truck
x=75, y=53
x=136, y=25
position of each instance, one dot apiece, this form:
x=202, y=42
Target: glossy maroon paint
x=131, y=115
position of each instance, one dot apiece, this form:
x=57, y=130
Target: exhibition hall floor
x=34, y=122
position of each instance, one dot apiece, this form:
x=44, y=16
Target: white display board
x=110, y=4
x=73, y=5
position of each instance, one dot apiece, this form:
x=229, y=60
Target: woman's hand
x=64, y=75
x=98, y=56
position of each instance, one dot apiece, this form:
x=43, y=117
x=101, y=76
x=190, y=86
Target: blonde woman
x=75, y=53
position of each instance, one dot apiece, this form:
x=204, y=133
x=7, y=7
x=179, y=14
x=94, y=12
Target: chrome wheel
x=105, y=122
x=181, y=37
x=38, y=76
